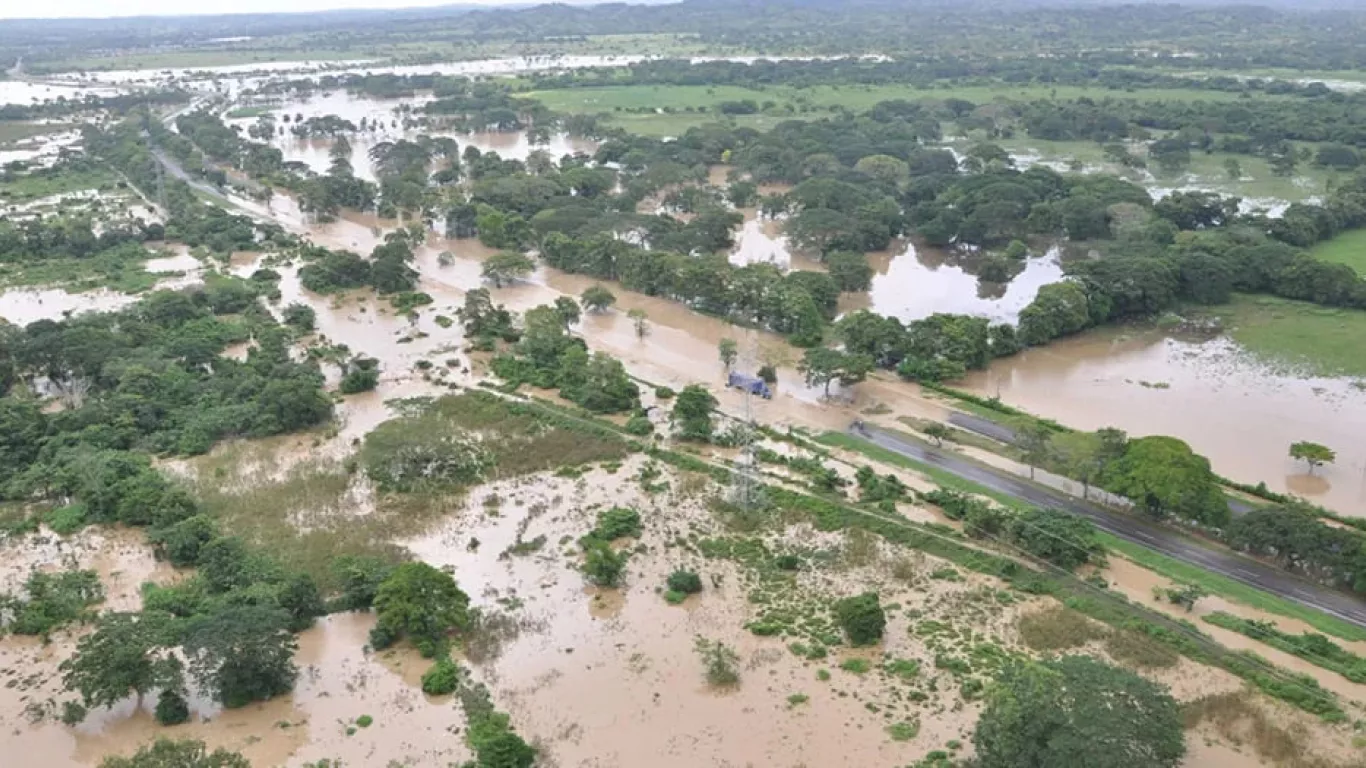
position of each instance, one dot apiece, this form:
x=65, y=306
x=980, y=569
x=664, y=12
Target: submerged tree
x=1313, y=454
x=596, y=298
x=124, y=655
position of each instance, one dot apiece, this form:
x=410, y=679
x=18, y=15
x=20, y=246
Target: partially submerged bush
x=442, y=678
x=862, y=618
x=615, y=523
x=719, y=662
x=685, y=581
x=602, y=565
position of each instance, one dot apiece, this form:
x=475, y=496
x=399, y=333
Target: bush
x=639, y=426
x=442, y=678
x=862, y=618
x=616, y=523
x=181, y=543
x=172, y=708
x=603, y=566
x=300, y=317
x=53, y=600
x=719, y=661
x=663, y=393
x=359, y=380
x=66, y=520
x=684, y=581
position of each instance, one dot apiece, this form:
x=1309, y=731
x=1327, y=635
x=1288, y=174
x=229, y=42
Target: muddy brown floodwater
x=1242, y=415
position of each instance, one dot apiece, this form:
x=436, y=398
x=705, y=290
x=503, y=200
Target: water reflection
x=913, y=282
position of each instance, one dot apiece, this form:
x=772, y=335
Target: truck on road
x=750, y=384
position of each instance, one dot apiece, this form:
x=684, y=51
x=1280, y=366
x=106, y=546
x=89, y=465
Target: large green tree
x=123, y=656
x=1313, y=454
x=692, y=413
x=243, y=654
x=422, y=603
x=1080, y=713
x=1165, y=477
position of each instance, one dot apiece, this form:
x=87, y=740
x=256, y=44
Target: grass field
x=11, y=132
x=1347, y=248
x=608, y=98
x=1296, y=335
x=33, y=186
x=619, y=102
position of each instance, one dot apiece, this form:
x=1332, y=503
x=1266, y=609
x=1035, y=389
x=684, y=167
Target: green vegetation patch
x=1233, y=590
x=458, y=440
x=1347, y=248
x=1298, y=336
x=1310, y=646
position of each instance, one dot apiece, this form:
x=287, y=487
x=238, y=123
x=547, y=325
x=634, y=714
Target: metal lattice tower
x=745, y=484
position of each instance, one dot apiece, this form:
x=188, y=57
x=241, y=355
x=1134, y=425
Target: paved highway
x=1003, y=434
x=1134, y=529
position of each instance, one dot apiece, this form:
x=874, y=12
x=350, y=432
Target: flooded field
x=1242, y=415
x=39, y=150
x=24, y=93
x=471, y=68
x=385, y=121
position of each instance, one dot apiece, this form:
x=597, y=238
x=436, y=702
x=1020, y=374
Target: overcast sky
x=47, y=9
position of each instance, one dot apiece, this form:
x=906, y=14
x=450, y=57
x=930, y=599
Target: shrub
x=603, y=566
x=904, y=730
x=300, y=317
x=359, y=380
x=685, y=581
x=616, y=523
x=664, y=393
x=442, y=678
x=66, y=520
x=719, y=662
x=862, y=618
x=181, y=543
x=172, y=708
x=639, y=426
x=52, y=600
x=857, y=666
